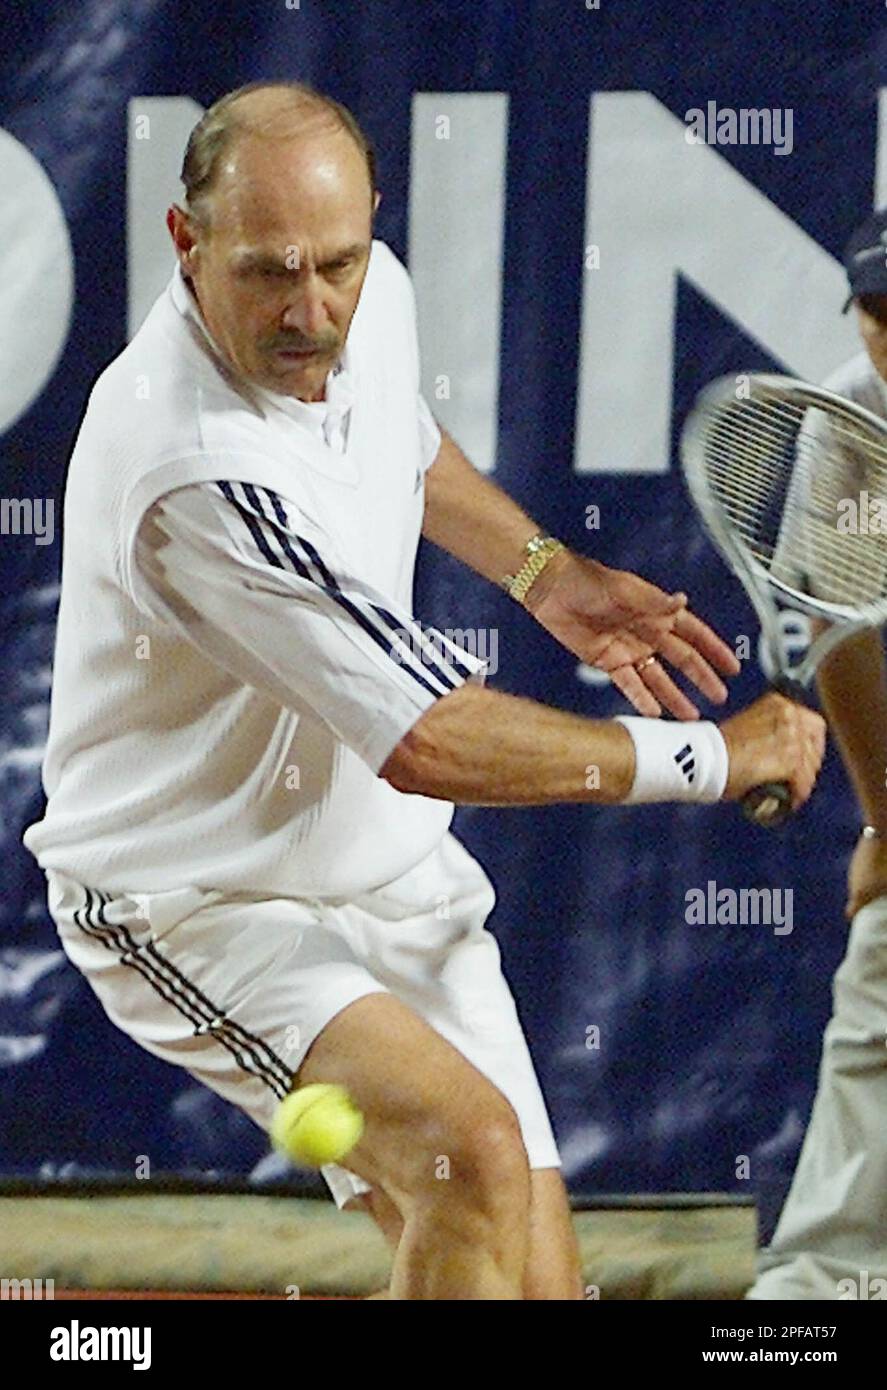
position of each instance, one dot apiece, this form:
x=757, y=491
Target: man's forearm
x=480, y=747
x=469, y=516
x=483, y=747
x=852, y=684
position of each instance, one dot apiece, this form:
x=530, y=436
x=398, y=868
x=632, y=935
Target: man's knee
x=470, y=1152
x=434, y=1123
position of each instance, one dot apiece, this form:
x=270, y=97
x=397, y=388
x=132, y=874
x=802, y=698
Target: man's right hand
x=774, y=740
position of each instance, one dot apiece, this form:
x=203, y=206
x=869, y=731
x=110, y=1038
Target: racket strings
x=781, y=469
x=841, y=426
x=760, y=434
x=757, y=483
x=805, y=549
x=807, y=544
x=773, y=411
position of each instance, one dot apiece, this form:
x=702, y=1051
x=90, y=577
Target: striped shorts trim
x=251, y=1053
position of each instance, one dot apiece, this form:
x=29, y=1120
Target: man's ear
x=181, y=230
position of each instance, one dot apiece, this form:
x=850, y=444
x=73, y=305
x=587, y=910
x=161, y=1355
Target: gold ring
x=641, y=665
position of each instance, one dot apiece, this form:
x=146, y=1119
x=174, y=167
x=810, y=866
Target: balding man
x=256, y=746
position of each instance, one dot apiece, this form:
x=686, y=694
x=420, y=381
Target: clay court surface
x=200, y=1246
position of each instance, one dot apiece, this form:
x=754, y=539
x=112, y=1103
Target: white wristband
x=676, y=762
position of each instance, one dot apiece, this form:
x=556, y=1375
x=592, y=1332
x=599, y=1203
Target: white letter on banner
x=457, y=213
x=659, y=207
x=36, y=279
x=153, y=183
x=880, y=161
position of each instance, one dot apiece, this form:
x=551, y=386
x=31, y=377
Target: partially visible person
x=831, y=1239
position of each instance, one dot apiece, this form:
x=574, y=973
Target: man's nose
x=306, y=311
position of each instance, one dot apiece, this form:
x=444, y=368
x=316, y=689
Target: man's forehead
x=266, y=250
x=311, y=161
x=252, y=210
x=256, y=203
x=281, y=220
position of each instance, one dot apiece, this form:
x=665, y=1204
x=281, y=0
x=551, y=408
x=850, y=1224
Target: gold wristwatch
x=539, y=551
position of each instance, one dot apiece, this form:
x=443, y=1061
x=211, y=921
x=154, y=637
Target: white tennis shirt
x=858, y=381
x=236, y=652
x=808, y=534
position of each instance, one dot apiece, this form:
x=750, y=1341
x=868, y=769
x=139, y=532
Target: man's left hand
x=613, y=620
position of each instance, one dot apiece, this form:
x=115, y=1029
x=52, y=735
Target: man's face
x=279, y=267
x=871, y=316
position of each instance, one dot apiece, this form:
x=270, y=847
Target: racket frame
x=843, y=620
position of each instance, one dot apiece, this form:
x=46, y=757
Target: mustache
x=290, y=344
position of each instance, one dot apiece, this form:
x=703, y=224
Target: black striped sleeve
x=259, y=588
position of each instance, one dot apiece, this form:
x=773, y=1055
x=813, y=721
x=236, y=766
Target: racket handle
x=793, y=690
x=770, y=804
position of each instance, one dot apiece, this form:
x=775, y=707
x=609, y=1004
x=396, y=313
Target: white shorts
x=236, y=987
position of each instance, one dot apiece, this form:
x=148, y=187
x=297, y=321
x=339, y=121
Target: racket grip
x=769, y=804
x=793, y=690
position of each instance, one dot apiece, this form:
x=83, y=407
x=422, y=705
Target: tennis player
x=831, y=1239
x=256, y=746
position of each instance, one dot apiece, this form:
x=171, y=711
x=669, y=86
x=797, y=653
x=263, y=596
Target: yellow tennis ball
x=316, y=1124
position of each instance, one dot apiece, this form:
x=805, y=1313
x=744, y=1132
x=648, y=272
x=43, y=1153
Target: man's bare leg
x=553, y=1269
x=441, y=1141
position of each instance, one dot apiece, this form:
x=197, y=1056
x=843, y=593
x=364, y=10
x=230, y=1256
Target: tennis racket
x=789, y=481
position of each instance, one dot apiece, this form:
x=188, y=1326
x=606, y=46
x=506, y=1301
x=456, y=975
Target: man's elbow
x=417, y=763
x=402, y=769
x=429, y=759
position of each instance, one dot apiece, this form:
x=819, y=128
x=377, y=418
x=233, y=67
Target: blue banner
x=603, y=207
